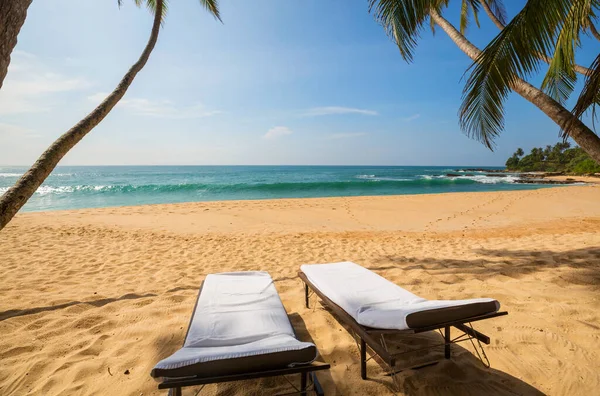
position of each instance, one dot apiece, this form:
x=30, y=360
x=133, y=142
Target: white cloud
x=412, y=117
x=332, y=110
x=30, y=85
x=158, y=108
x=277, y=131
x=345, y=135
x=44, y=83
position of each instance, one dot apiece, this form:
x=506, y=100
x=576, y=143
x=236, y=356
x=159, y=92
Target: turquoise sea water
x=100, y=186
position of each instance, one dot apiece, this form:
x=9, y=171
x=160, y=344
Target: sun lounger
x=239, y=330
x=372, y=307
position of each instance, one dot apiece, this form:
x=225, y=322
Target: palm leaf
x=151, y=4
x=210, y=5
x=590, y=94
x=560, y=79
x=402, y=21
x=432, y=25
x=590, y=25
x=474, y=4
x=468, y=7
x=594, y=31
x=513, y=54
x=465, y=11
x=497, y=8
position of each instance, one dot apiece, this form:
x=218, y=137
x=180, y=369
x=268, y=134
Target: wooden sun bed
x=374, y=338
x=239, y=369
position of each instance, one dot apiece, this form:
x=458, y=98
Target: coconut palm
x=544, y=31
x=17, y=196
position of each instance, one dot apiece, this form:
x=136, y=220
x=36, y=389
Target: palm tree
x=544, y=31
x=17, y=196
x=12, y=17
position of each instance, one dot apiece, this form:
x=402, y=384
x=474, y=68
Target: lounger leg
x=306, y=295
x=363, y=359
x=303, y=383
x=447, y=342
x=317, y=385
x=175, y=392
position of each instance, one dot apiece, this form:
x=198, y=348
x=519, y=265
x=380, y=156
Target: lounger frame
x=306, y=373
x=369, y=336
x=308, y=380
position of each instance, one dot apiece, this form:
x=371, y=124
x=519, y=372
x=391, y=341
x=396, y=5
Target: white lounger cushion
x=371, y=300
x=238, y=314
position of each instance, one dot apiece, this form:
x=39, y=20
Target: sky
x=278, y=82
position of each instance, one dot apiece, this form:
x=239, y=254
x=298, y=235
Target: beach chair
x=239, y=330
x=373, y=307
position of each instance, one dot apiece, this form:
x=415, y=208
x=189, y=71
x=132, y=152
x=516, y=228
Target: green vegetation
x=560, y=158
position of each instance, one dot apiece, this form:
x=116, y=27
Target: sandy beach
x=583, y=179
x=90, y=295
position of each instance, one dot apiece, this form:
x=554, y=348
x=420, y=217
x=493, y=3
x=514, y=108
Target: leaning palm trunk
x=12, y=18
x=17, y=196
x=582, y=135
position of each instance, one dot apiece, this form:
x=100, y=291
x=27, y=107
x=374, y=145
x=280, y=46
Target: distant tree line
x=560, y=158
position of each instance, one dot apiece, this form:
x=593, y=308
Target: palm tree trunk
x=579, y=69
x=583, y=136
x=12, y=18
x=17, y=196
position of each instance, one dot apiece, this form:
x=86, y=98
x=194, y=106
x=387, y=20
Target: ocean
x=73, y=187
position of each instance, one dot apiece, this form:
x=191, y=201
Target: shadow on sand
x=302, y=334
x=463, y=374
x=96, y=303
x=583, y=265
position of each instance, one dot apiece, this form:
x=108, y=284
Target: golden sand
x=582, y=179
x=90, y=294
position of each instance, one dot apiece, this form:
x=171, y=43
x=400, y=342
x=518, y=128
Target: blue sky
x=280, y=82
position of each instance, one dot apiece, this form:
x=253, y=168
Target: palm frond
x=481, y=116
x=558, y=82
x=402, y=21
x=560, y=79
x=590, y=94
x=465, y=12
x=592, y=29
x=475, y=9
x=513, y=54
x=497, y=8
x=468, y=7
x=212, y=6
x=151, y=5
